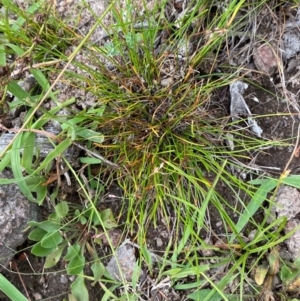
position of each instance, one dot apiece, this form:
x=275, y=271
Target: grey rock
x=122, y=264
x=287, y=202
x=42, y=146
x=15, y=212
x=293, y=242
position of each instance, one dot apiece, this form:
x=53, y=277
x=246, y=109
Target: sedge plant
x=163, y=142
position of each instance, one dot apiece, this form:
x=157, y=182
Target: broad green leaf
x=90, y=135
x=10, y=290
x=48, y=226
x=95, y=218
x=76, y=265
x=28, y=152
x=255, y=203
x=37, y=234
x=41, y=193
x=4, y=162
x=19, y=51
x=53, y=258
x=15, y=89
x=72, y=252
x=57, y=151
x=293, y=180
x=35, y=185
x=79, y=290
x=83, y=220
x=53, y=217
x=287, y=275
x=51, y=240
x=40, y=251
x=107, y=218
x=62, y=209
x=98, y=270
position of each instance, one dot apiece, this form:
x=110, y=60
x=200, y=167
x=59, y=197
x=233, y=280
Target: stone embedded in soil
x=15, y=212
x=122, y=264
x=288, y=205
x=265, y=59
x=287, y=202
x=293, y=242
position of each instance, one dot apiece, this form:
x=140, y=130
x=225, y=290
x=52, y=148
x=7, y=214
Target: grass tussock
x=160, y=105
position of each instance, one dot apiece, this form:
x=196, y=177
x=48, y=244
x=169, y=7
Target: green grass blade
x=256, y=201
x=293, y=180
x=10, y=291
x=2, y=56
x=41, y=79
x=58, y=151
x=16, y=167
x=28, y=152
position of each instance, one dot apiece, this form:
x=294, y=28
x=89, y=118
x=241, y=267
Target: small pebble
x=37, y=296
x=166, y=82
x=293, y=242
x=72, y=278
x=159, y=242
x=63, y=279
x=219, y=224
x=265, y=59
x=252, y=235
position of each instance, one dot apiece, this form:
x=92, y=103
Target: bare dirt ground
x=266, y=96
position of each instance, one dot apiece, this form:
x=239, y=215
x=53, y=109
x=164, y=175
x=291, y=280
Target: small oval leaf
x=37, y=234
x=52, y=240
x=40, y=251
x=53, y=258
x=76, y=265
x=73, y=251
x=62, y=209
